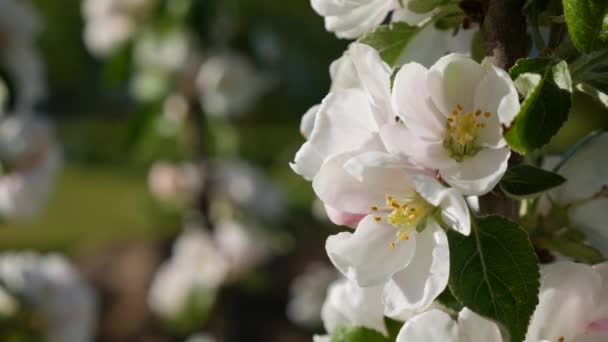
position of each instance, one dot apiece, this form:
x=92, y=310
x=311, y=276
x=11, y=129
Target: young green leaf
x=526, y=180
x=357, y=334
x=577, y=250
x=547, y=87
x=587, y=23
x=423, y=6
x=495, y=273
x=390, y=40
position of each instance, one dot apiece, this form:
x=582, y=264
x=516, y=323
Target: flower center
x=463, y=129
x=404, y=213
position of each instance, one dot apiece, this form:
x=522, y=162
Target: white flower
x=28, y=147
x=196, y=265
x=398, y=242
x=573, y=304
x=240, y=247
x=349, y=117
x=453, y=115
x=307, y=294
x=438, y=326
x=55, y=290
x=348, y=305
x=585, y=193
x=352, y=18
x=229, y=84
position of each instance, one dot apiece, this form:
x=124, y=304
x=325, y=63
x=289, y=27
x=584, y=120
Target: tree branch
x=504, y=31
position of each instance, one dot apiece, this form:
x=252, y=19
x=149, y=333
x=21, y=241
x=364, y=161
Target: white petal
x=430, y=326
x=452, y=80
x=375, y=76
x=567, y=297
x=350, y=305
x=343, y=73
x=321, y=338
x=365, y=256
x=407, y=16
x=454, y=210
x=586, y=172
x=353, y=23
x=411, y=101
x=308, y=121
x=474, y=328
x=496, y=93
x=336, y=187
x=477, y=175
x=307, y=161
x=359, y=165
x=415, y=288
x=400, y=140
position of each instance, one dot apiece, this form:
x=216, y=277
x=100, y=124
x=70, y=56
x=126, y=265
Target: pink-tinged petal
x=400, y=140
x=375, y=76
x=451, y=82
x=473, y=328
x=415, y=287
x=336, y=187
x=568, y=294
x=413, y=104
x=365, y=256
x=479, y=174
x=598, y=326
x=343, y=218
x=430, y=326
x=454, y=209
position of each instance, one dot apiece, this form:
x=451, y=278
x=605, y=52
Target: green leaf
x=577, y=250
x=547, y=88
x=495, y=273
x=447, y=299
x=423, y=6
x=357, y=334
x=587, y=23
x=525, y=180
x=393, y=327
x=390, y=40
x=598, y=96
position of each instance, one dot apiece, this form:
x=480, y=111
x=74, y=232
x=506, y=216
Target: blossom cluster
x=401, y=151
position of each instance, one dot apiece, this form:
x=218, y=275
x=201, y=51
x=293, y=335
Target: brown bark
x=504, y=31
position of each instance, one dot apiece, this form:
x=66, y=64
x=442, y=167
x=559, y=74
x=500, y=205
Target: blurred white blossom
x=19, y=56
x=307, y=294
x=52, y=287
x=174, y=182
x=110, y=23
x=229, y=84
x=31, y=158
x=195, y=268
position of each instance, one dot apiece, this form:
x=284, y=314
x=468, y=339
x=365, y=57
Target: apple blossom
x=348, y=305
x=585, y=194
x=399, y=241
x=573, y=304
x=52, y=287
x=454, y=114
x=437, y=326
